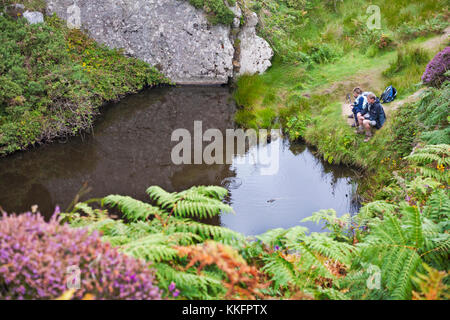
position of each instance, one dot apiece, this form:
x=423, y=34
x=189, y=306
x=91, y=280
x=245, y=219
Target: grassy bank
x=53, y=80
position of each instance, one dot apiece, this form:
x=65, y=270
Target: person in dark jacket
x=372, y=115
x=358, y=104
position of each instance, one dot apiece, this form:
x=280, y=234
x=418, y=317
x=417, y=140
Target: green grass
x=216, y=10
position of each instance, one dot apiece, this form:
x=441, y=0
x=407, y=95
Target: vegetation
x=217, y=10
x=165, y=234
x=387, y=251
x=396, y=247
x=36, y=259
x=435, y=74
x=53, y=81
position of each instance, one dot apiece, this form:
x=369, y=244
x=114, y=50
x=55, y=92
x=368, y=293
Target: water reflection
x=130, y=151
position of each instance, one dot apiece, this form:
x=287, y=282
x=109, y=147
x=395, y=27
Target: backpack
x=388, y=95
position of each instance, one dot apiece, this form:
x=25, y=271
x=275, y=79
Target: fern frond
x=272, y=236
x=214, y=192
x=132, y=209
x=438, y=206
x=281, y=271
x=205, y=231
x=331, y=294
x=311, y=260
x=184, y=238
x=199, y=202
x=403, y=285
x=376, y=208
x=205, y=209
x=330, y=248
x=191, y=285
x=154, y=248
x=413, y=224
x=163, y=198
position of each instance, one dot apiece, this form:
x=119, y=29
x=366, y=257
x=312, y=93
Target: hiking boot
x=360, y=130
x=350, y=116
x=368, y=136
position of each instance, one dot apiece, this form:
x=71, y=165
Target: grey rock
x=169, y=34
x=255, y=52
x=33, y=17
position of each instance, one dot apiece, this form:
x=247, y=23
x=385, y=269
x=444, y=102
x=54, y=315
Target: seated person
x=372, y=115
x=357, y=106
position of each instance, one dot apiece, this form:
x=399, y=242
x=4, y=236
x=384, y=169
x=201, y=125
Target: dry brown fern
x=244, y=281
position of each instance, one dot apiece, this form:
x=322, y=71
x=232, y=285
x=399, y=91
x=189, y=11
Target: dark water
x=130, y=150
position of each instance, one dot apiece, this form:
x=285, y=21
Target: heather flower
x=176, y=293
x=172, y=286
x=434, y=74
x=35, y=257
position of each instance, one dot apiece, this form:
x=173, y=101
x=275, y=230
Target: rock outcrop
x=171, y=35
x=255, y=52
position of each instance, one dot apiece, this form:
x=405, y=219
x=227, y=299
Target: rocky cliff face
x=171, y=35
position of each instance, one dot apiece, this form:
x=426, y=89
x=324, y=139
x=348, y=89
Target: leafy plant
x=431, y=286
x=157, y=232
x=432, y=161
x=435, y=72
x=217, y=10
x=432, y=112
x=243, y=281
x=296, y=126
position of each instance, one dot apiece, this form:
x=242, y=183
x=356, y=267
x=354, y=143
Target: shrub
x=406, y=58
x=296, y=126
x=434, y=74
x=35, y=255
x=216, y=10
x=432, y=112
x=410, y=31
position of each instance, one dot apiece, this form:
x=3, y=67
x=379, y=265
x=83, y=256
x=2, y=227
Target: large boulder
x=169, y=34
x=255, y=52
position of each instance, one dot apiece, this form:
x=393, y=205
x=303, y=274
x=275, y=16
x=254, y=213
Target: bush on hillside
x=35, y=257
x=434, y=74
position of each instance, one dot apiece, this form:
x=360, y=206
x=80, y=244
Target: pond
x=130, y=150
